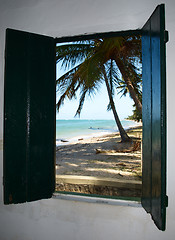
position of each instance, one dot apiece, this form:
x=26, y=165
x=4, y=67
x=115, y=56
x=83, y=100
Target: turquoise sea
x=72, y=130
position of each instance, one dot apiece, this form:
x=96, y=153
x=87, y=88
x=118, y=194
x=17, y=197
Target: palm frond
x=81, y=103
x=71, y=54
x=66, y=79
x=109, y=108
x=84, y=61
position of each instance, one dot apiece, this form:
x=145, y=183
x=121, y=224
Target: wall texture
x=61, y=219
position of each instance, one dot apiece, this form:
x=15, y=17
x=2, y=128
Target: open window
x=29, y=116
x=100, y=153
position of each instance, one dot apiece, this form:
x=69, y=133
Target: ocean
x=71, y=130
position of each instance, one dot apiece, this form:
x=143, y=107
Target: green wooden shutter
x=154, y=198
x=29, y=117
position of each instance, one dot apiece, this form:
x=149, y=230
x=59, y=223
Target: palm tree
x=90, y=63
x=88, y=77
x=123, y=134
x=124, y=51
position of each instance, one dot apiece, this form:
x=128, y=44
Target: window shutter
x=29, y=117
x=154, y=198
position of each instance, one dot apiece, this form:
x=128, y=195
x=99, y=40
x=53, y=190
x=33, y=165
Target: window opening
x=99, y=116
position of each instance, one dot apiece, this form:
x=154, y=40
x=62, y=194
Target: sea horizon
x=70, y=130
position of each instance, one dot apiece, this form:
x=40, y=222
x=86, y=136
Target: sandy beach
x=103, y=156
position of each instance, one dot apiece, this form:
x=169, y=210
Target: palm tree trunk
x=129, y=84
x=123, y=134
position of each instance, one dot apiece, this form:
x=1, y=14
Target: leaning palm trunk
x=129, y=85
x=123, y=134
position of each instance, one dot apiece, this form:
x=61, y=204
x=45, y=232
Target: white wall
x=61, y=219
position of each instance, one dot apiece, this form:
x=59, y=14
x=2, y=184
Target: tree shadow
x=111, y=161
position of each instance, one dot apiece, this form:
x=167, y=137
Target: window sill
x=100, y=200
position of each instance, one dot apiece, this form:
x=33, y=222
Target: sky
x=96, y=106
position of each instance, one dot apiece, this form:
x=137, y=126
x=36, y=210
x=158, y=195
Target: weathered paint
x=154, y=118
x=29, y=117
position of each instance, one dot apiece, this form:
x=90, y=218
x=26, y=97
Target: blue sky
x=96, y=107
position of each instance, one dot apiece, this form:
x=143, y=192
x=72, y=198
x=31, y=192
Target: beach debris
x=101, y=139
x=104, y=151
x=120, y=174
x=80, y=139
x=62, y=140
x=100, y=151
x=120, y=164
x=128, y=147
x=137, y=146
x=97, y=151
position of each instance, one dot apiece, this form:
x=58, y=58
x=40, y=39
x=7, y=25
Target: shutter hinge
x=166, y=36
x=166, y=201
